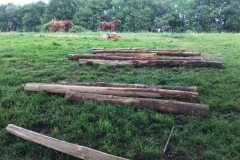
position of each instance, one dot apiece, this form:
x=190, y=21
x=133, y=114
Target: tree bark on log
x=142, y=92
x=136, y=55
x=140, y=63
x=126, y=50
x=99, y=56
x=91, y=56
x=102, y=84
x=137, y=48
x=162, y=105
x=61, y=146
x=162, y=53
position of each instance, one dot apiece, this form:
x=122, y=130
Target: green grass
x=121, y=130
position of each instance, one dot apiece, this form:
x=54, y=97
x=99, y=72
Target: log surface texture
x=62, y=146
x=162, y=105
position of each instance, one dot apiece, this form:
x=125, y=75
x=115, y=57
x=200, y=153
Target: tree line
x=135, y=15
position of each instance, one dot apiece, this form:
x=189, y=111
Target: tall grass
x=113, y=128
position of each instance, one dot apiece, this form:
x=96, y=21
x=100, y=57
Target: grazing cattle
x=110, y=25
x=59, y=24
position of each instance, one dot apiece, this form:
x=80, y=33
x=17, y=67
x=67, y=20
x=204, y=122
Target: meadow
x=121, y=130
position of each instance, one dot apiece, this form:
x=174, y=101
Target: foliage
x=45, y=28
x=76, y=29
x=135, y=15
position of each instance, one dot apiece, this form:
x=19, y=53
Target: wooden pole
x=122, y=85
x=140, y=63
x=122, y=57
x=142, y=92
x=160, y=53
x=165, y=148
x=61, y=146
x=136, y=55
x=129, y=50
x=162, y=105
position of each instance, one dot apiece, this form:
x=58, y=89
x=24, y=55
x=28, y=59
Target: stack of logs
x=123, y=94
x=143, y=57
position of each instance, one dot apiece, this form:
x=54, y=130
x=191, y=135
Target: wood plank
x=78, y=151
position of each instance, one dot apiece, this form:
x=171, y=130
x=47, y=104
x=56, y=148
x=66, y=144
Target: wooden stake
x=165, y=148
x=61, y=146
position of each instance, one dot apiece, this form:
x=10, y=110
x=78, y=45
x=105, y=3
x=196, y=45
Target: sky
x=21, y=2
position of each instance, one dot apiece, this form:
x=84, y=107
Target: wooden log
x=162, y=105
x=126, y=50
x=91, y=56
x=136, y=55
x=97, y=56
x=142, y=92
x=140, y=63
x=61, y=146
x=100, y=48
x=122, y=85
x=165, y=53
x=183, y=54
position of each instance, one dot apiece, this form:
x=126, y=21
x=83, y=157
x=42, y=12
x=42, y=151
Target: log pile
x=123, y=94
x=143, y=57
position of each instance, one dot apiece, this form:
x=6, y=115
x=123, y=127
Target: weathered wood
x=140, y=63
x=170, y=53
x=91, y=56
x=162, y=53
x=100, y=48
x=61, y=146
x=138, y=50
x=162, y=105
x=142, y=92
x=99, y=56
x=165, y=148
x=136, y=55
x=102, y=84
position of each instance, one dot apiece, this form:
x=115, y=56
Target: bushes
x=76, y=29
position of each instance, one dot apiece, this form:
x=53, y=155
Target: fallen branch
x=140, y=63
x=162, y=105
x=61, y=146
x=102, y=84
x=142, y=92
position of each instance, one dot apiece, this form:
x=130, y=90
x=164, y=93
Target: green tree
x=231, y=14
x=82, y=17
x=3, y=18
x=60, y=10
x=32, y=13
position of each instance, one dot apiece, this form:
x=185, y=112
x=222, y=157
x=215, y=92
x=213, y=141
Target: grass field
x=120, y=130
